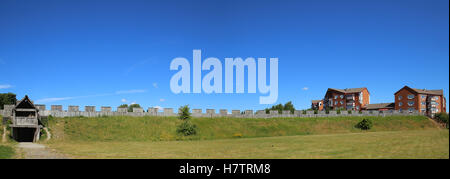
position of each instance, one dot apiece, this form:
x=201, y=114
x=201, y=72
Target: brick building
x=425, y=101
x=349, y=98
x=317, y=105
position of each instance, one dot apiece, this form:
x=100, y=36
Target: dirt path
x=38, y=151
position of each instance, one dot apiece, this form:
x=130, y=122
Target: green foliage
x=280, y=108
x=123, y=106
x=6, y=152
x=442, y=118
x=44, y=120
x=7, y=98
x=184, y=113
x=365, y=124
x=338, y=111
x=187, y=128
x=349, y=111
x=130, y=108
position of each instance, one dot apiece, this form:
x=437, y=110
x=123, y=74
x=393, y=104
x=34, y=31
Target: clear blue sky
x=106, y=53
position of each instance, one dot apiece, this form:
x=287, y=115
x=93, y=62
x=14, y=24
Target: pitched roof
x=348, y=90
x=25, y=100
x=380, y=105
x=424, y=91
x=316, y=101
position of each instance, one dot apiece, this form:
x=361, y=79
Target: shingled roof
x=348, y=90
x=424, y=91
x=380, y=106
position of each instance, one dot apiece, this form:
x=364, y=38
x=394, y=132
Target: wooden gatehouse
x=26, y=122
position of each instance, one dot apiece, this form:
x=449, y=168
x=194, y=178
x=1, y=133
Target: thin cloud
x=155, y=85
x=49, y=100
x=5, y=86
x=124, y=100
x=162, y=100
x=131, y=91
x=305, y=88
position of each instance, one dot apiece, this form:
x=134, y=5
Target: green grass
x=6, y=152
x=164, y=128
x=417, y=144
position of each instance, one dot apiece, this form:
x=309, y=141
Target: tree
x=124, y=106
x=184, y=113
x=280, y=107
x=130, y=108
x=7, y=98
x=186, y=128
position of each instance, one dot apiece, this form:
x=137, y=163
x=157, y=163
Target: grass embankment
x=164, y=129
x=6, y=151
x=392, y=144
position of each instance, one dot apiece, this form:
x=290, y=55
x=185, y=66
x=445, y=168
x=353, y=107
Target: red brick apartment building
x=349, y=98
x=317, y=105
x=426, y=101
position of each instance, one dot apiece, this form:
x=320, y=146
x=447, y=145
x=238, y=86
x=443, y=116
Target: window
x=335, y=97
x=400, y=97
x=342, y=96
x=424, y=96
x=357, y=107
x=436, y=98
x=342, y=102
x=410, y=109
x=424, y=103
x=335, y=103
x=400, y=104
x=410, y=103
x=410, y=96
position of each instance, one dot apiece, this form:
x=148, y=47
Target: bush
x=442, y=118
x=365, y=124
x=130, y=108
x=184, y=113
x=187, y=128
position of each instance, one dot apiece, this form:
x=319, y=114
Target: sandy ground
x=38, y=151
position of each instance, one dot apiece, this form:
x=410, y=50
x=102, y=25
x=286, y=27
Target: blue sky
x=106, y=53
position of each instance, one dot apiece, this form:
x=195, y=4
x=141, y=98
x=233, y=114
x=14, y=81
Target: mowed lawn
x=417, y=144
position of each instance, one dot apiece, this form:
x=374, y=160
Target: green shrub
x=187, y=128
x=184, y=113
x=442, y=118
x=365, y=124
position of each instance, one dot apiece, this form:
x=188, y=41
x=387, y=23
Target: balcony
x=25, y=121
x=350, y=98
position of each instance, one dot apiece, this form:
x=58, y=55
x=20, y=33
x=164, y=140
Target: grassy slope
x=6, y=151
x=163, y=129
x=391, y=144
